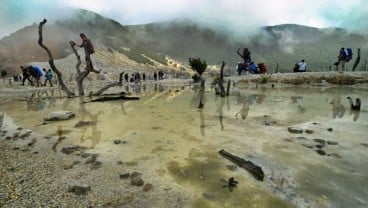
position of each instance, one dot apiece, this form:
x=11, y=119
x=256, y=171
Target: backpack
x=349, y=54
x=262, y=68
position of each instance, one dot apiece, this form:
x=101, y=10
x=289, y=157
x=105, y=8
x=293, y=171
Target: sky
x=230, y=15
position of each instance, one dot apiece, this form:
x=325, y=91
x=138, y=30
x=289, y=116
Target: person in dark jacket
x=88, y=50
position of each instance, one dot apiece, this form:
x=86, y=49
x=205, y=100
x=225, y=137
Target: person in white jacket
x=302, y=66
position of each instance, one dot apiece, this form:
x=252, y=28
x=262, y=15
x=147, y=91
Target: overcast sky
x=349, y=14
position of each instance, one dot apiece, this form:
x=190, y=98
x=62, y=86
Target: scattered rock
x=70, y=150
x=135, y=174
x=208, y=195
x=335, y=155
x=332, y=143
x=295, y=130
x=117, y=141
x=91, y=159
x=84, y=123
x=96, y=165
x=232, y=167
x=25, y=134
x=319, y=146
x=76, y=162
x=308, y=131
x=302, y=138
x=320, y=141
x=364, y=144
x=79, y=189
x=137, y=181
x=32, y=142
x=120, y=162
x=147, y=187
x=321, y=152
x=8, y=137
x=124, y=175
x=330, y=129
x=308, y=146
x=59, y=115
x=67, y=165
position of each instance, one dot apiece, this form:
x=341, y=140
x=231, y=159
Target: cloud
x=236, y=16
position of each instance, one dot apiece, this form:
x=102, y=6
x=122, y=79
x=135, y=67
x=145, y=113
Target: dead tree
x=252, y=168
x=80, y=75
x=51, y=62
x=106, y=87
x=357, y=60
x=221, y=81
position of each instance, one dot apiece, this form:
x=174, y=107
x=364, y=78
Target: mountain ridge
x=278, y=45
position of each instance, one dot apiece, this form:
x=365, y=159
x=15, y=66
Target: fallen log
x=253, y=169
x=108, y=98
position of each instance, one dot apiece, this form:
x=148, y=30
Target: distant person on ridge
x=302, y=66
x=341, y=60
x=88, y=50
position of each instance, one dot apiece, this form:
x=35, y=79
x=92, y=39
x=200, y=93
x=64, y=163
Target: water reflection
x=39, y=101
x=243, y=111
x=338, y=110
x=91, y=120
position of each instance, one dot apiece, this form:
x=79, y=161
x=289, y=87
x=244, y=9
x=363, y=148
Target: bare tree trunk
x=51, y=62
x=357, y=60
x=228, y=87
x=201, y=94
x=221, y=81
x=80, y=75
x=119, y=83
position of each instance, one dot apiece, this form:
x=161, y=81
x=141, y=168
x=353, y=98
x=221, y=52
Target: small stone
x=302, y=138
x=332, y=143
x=147, y=187
x=120, y=162
x=321, y=152
x=137, y=181
x=8, y=137
x=79, y=189
x=319, y=146
x=91, y=159
x=335, y=155
x=76, y=162
x=330, y=129
x=208, y=195
x=32, y=142
x=308, y=146
x=364, y=144
x=308, y=131
x=77, y=152
x=135, y=174
x=124, y=175
x=117, y=141
x=232, y=167
x=67, y=165
x=295, y=130
x=320, y=141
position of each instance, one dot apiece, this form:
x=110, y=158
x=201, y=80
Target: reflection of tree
x=355, y=114
x=299, y=101
x=203, y=125
x=38, y=101
x=96, y=134
x=338, y=110
x=243, y=112
x=220, y=111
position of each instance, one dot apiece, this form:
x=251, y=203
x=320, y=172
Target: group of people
x=34, y=75
x=345, y=55
x=248, y=65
